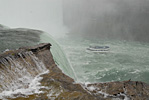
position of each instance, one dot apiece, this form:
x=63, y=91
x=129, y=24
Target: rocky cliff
x=54, y=84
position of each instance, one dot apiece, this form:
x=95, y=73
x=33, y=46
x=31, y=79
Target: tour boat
x=98, y=48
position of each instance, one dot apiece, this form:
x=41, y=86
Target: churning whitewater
x=19, y=80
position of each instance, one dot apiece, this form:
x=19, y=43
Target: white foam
x=94, y=88
x=126, y=98
x=54, y=93
x=91, y=88
x=6, y=50
x=135, y=71
x=33, y=88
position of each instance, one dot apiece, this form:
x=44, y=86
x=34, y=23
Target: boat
x=99, y=48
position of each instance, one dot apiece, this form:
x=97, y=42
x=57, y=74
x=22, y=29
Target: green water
x=58, y=55
x=15, y=38
x=125, y=60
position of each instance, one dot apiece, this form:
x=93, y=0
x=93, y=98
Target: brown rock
x=61, y=87
x=132, y=90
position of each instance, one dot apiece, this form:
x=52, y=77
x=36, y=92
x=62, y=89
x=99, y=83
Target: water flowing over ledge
x=20, y=71
x=30, y=73
x=13, y=38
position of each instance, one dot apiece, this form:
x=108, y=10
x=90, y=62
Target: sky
x=44, y=15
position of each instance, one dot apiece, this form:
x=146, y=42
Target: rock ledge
x=61, y=87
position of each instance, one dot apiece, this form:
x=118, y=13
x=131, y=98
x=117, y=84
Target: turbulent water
x=20, y=37
x=59, y=55
x=125, y=60
x=17, y=79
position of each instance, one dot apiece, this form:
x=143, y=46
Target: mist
x=110, y=19
x=46, y=15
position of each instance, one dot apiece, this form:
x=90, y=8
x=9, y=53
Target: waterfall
x=59, y=56
x=20, y=74
x=21, y=37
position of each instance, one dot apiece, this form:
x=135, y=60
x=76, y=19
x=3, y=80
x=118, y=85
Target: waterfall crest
x=20, y=71
x=29, y=37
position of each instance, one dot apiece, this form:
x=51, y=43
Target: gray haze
x=123, y=19
x=38, y=14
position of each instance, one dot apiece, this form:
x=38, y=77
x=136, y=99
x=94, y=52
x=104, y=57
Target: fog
x=46, y=15
x=112, y=19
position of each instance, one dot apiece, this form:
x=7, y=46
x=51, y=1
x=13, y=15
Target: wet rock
x=129, y=90
x=58, y=86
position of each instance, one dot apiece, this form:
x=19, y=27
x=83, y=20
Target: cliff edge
x=55, y=85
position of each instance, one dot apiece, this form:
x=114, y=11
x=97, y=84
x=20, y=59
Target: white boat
x=99, y=48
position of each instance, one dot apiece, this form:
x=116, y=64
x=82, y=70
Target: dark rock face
x=61, y=87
